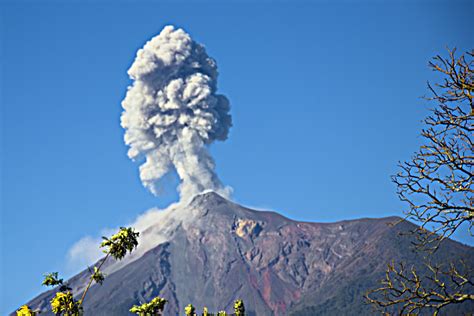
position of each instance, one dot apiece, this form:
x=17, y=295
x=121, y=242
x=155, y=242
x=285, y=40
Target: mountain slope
x=276, y=265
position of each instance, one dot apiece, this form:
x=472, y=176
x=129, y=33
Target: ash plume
x=172, y=112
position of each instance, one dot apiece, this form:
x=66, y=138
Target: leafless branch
x=437, y=183
x=404, y=291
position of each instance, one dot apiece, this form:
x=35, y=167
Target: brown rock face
x=276, y=265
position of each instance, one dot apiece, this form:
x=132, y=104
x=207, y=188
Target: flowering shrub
x=154, y=307
x=25, y=310
x=121, y=243
x=117, y=246
x=64, y=303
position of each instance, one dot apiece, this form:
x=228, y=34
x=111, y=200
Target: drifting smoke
x=172, y=113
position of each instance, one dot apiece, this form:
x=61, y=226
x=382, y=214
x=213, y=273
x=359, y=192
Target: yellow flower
x=64, y=303
x=25, y=310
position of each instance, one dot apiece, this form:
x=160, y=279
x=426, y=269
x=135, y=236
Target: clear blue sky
x=325, y=101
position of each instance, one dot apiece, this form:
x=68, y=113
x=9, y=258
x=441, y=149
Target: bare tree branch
x=437, y=183
x=405, y=292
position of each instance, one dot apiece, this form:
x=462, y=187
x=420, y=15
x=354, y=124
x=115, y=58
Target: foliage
x=121, y=243
x=97, y=275
x=190, y=310
x=64, y=302
x=25, y=310
x=437, y=184
x=154, y=307
x=51, y=279
x=239, y=308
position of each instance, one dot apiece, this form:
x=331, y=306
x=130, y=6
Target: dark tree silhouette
x=437, y=185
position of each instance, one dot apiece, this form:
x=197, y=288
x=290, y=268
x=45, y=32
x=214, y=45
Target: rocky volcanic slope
x=276, y=265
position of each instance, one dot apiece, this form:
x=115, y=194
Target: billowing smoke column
x=172, y=112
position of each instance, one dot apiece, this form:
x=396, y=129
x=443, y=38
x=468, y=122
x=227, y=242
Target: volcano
x=278, y=266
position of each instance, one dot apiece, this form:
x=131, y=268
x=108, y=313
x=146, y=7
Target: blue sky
x=325, y=101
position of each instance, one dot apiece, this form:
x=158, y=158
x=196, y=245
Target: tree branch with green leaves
x=64, y=303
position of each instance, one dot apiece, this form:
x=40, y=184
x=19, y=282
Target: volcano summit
x=278, y=266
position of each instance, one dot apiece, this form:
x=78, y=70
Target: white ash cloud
x=84, y=252
x=172, y=112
